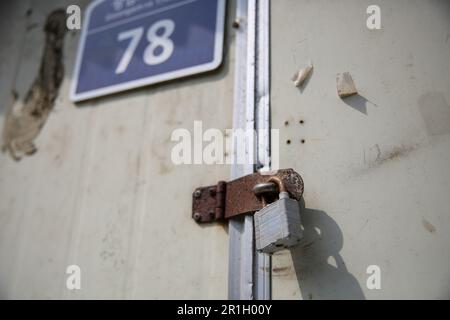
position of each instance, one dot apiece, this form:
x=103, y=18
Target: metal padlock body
x=278, y=225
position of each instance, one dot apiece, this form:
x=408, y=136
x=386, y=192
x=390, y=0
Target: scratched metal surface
x=101, y=191
x=375, y=167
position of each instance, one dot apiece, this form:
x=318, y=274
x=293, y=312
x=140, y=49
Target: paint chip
x=301, y=75
x=345, y=85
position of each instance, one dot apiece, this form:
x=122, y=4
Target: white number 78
x=154, y=41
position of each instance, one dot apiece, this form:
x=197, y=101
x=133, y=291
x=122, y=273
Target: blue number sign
x=131, y=43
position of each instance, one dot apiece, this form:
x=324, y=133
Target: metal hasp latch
x=230, y=199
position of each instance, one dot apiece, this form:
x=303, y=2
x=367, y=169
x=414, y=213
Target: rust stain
x=382, y=157
x=280, y=269
x=428, y=226
x=25, y=119
x=395, y=153
x=283, y=271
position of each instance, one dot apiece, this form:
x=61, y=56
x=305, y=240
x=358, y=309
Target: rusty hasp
x=230, y=199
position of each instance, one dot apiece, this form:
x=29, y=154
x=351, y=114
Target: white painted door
x=375, y=166
x=101, y=192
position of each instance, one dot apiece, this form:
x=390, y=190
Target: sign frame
x=171, y=75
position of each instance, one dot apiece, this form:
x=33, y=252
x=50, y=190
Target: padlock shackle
x=279, y=183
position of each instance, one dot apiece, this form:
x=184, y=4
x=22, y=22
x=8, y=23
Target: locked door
x=375, y=164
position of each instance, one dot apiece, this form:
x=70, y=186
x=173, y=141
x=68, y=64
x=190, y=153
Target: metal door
x=375, y=165
x=101, y=192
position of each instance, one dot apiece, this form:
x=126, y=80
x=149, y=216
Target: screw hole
x=302, y=141
x=301, y=121
x=288, y=141
x=286, y=123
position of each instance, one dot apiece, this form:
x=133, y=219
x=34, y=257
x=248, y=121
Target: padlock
x=278, y=225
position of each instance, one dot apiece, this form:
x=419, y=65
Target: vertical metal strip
x=250, y=272
x=263, y=262
x=262, y=79
x=251, y=73
x=240, y=268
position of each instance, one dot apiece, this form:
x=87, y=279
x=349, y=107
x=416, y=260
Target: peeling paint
x=300, y=76
x=25, y=119
x=345, y=85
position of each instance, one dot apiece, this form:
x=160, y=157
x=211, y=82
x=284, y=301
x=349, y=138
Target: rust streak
x=25, y=119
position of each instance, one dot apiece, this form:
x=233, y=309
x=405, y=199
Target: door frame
x=249, y=272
